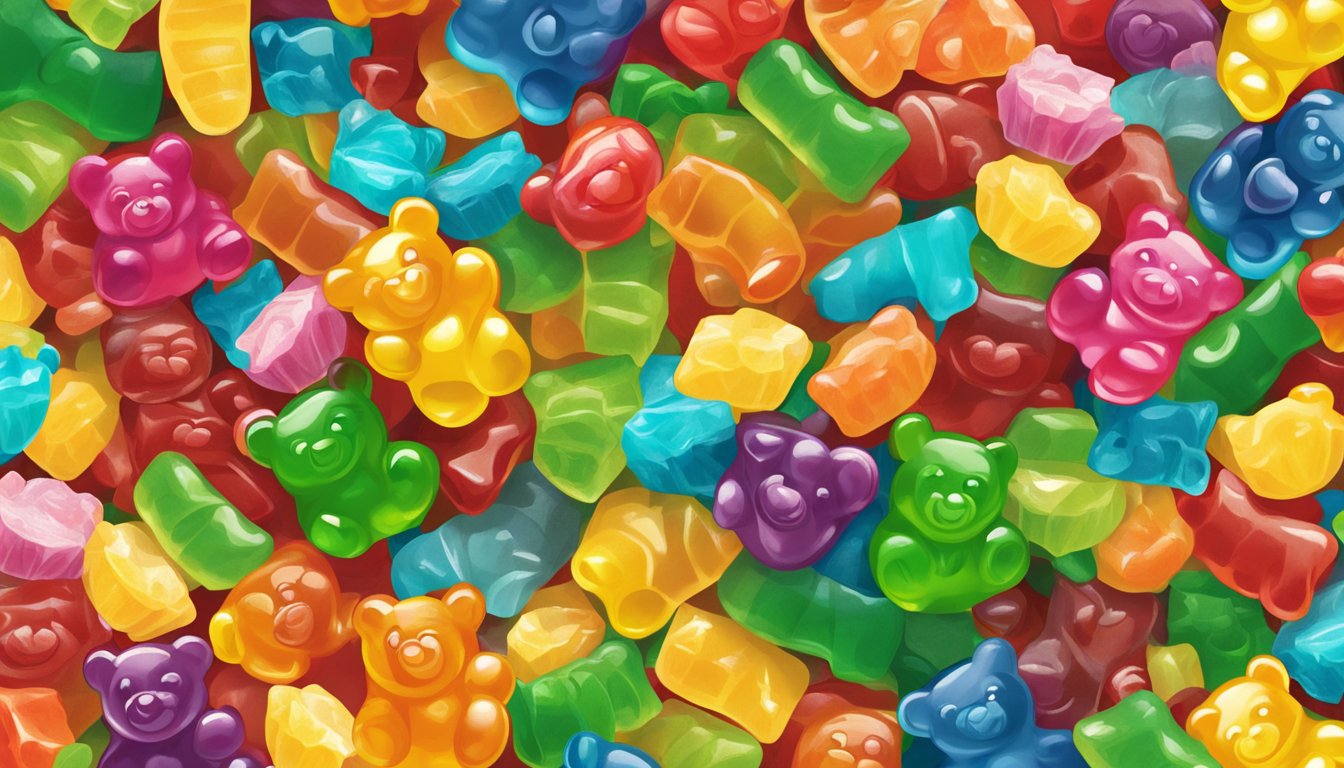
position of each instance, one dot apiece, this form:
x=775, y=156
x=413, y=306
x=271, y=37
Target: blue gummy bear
x=1156, y=442
x=1270, y=186
x=926, y=261
x=1190, y=112
x=25, y=395
x=304, y=64
x=677, y=444
x=847, y=562
x=379, y=159
x=588, y=750
x=229, y=312
x=980, y=714
x=480, y=193
x=544, y=49
x=1312, y=648
x=507, y=552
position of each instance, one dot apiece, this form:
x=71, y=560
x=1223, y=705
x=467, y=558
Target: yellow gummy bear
x=433, y=315
x=644, y=553
x=1289, y=449
x=557, y=626
x=1027, y=211
x=1270, y=46
x=1173, y=668
x=132, y=582
x=207, y=61
x=715, y=663
x=748, y=359
x=457, y=100
x=358, y=13
x=308, y=728
x=83, y=415
x=19, y=303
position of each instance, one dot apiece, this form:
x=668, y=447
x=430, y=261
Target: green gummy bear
x=743, y=143
x=683, y=736
x=38, y=147
x=1226, y=629
x=605, y=692
x=196, y=526
x=115, y=96
x=1057, y=500
x=106, y=22
x=538, y=268
x=1139, y=731
x=266, y=131
x=1236, y=357
x=845, y=143
x=654, y=99
x=945, y=545
x=625, y=294
x=581, y=413
x=805, y=611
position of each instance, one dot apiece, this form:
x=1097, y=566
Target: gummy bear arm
x=218, y=734
x=489, y=675
x=412, y=471
x=381, y=735
x=1056, y=749
x=1079, y=301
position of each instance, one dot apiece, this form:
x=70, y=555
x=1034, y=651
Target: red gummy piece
x=950, y=138
x=1128, y=170
x=717, y=38
x=1017, y=615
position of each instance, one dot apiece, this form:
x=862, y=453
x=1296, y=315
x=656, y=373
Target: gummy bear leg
x=482, y=734
x=381, y=736
x=1005, y=558
x=487, y=675
x=341, y=538
x=903, y=569
x=1131, y=374
x=450, y=403
x=219, y=734
x=225, y=251
x=1254, y=90
x=123, y=277
x=163, y=761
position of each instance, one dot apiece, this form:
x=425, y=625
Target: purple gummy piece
x=787, y=495
x=154, y=704
x=1148, y=34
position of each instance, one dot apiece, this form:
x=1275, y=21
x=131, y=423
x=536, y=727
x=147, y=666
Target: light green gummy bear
x=625, y=294
x=538, y=268
x=683, y=736
x=1139, y=731
x=38, y=146
x=106, y=22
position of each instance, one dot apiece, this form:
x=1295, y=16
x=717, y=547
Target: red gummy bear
x=1129, y=169
x=950, y=138
x=717, y=38
x=1017, y=615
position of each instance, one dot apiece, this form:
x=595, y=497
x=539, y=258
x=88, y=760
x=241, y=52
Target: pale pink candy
x=1199, y=59
x=1055, y=108
x=43, y=528
x=295, y=338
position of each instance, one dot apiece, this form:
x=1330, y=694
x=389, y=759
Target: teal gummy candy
x=1191, y=113
x=378, y=159
x=38, y=147
x=538, y=268
x=477, y=195
x=304, y=64
x=227, y=312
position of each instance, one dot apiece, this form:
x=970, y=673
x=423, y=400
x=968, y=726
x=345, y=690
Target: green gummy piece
x=1079, y=567
x=270, y=130
x=96, y=737
x=73, y=756
x=114, y=515
x=684, y=736
x=1226, y=629
x=846, y=144
x=106, y=22
x=196, y=526
x=625, y=294
x=581, y=413
x=538, y=268
x=798, y=403
x=654, y=99
x=805, y=611
x=38, y=147
x=1054, y=497
x=1139, y=731
x=743, y=143
x=1010, y=275
x=1235, y=359
x=605, y=692
x=931, y=643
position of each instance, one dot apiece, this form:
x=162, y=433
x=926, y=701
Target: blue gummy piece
x=1312, y=648
x=304, y=64
x=480, y=193
x=1156, y=442
x=378, y=159
x=586, y=749
x=847, y=562
x=229, y=312
x=25, y=396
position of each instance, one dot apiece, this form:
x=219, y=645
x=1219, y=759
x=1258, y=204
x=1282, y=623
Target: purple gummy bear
x=1147, y=34
x=154, y=704
x=787, y=495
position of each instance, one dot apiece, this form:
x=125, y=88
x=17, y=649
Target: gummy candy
x=206, y=61
x=1305, y=423
x=1157, y=442
x=871, y=42
x=683, y=736
x=43, y=527
x=304, y=64
x=478, y=195
x=379, y=159
x=1055, y=108
x=747, y=359
x=1270, y=46
x=1028, y=211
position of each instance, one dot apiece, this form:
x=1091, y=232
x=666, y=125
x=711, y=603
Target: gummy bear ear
x=1005, y=455
x=1203, y=721
x=349, y=375
x=996, y=655
x=1269, y=671
x=1148, y=221
x=915, y=716
x=259, y=438
x=195, y=650
x=414, y=214
x=908, y=436
x=173, y=154
x=342, y=288
x=466, y=605
x=371, y=613
x=86, y=178
x=99, y=668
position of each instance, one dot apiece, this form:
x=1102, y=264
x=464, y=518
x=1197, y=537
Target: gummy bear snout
x=1155, y=286
x=146, y=216
x=151, y=711
x=983, y=722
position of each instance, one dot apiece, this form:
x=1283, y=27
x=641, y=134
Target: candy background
x=681, y=383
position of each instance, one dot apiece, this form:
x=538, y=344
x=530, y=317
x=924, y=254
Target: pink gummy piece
x=43, y=528
x=1055, y=108
x=1199, y=59
x=295, y=338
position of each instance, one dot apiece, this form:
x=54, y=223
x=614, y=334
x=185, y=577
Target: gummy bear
x=207, y=61
x=1308, y=647
x=1128, y=170
x=26, y=368
x=1150, y=544
x=717, y=38
x=431, y=314
x=1288, y=449
x=457, y=99
x=379, y=159
x=309, y=726
x=1157, y=442
x=304, y=64
x=1028, y=211
x=1129, y=326
x=329, y=449
x=477, y=195
x=972, y=39
x=832, y=731
x=434, y=697
x=1138, y=731
x=951, y=138
x=588, y=750
x=1225, y=628
x=156, y=355
x=871, y=42
x=1269, y=47
x=1188, y=109
x=1147, y=34
x=747, y=359
x=979, y=714
x=944, y=546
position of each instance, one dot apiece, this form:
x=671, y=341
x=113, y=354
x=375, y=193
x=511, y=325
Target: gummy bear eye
x=172, y=678
x=125, y=684
x=121, y=197
x=336, y=426
x=409, y=256
x=1145, y=255
x=1262, y=712
x=393, y=639
x=158, y=186
x=972, y=484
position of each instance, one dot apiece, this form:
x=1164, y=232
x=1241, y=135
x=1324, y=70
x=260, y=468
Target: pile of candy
x=681, y=383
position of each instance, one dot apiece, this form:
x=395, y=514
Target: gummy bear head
x=978, y=707
x=151, y=691
x=142, y=196
x=1310, y=139
x=46, y=627
x=26, y=368
x=1001, y=344
x=156, y=355
x=419, y=646
x=1251, y=720
x=394, y=277
x=949, y=486
x=856, y=737
x=324, y=433
x=1166, y=278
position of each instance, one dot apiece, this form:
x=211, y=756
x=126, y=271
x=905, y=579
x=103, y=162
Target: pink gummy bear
x=1129, y=328
x=295, y=338
x=43, y=528
x=160, y=237
x=1055, y=108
